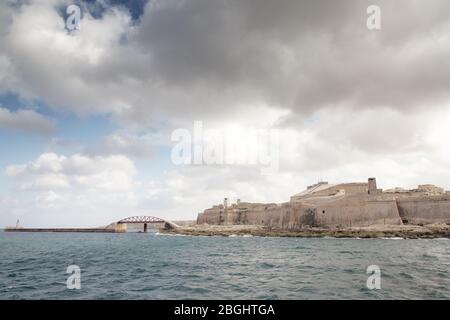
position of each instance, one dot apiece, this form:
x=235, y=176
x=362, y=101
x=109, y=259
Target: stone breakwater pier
x=120, y=226
x=14, y=229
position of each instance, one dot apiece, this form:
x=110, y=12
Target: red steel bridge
x=146, y=220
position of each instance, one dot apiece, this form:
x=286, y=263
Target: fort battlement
x=339, y=205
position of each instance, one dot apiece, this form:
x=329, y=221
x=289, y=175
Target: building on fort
x=339, y=205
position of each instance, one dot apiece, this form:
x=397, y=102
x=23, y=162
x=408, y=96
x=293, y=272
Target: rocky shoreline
x=378, y=231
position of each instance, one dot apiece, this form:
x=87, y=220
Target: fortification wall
x=210, y=216
x=262, y=215
x=357, y=211
x=347, y=188
x=345, y=205
x=425, y=210
x=289, y=216
x=244, y=213
x=345, y=212
x=353, y=188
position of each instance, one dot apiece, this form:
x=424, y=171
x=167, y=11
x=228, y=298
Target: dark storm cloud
x=205, y=57
x=302, y=55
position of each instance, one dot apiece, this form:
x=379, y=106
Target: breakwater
x=59, y=230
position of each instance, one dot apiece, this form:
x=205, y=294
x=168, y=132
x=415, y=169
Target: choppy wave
x=171, y=234
x=168, y=266
x=392, y=238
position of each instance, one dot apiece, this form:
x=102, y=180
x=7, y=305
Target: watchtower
x=373, y=186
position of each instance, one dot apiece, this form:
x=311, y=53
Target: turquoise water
x=152, y=266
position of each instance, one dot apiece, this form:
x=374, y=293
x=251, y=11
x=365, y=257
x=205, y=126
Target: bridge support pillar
x=145, y=227
x=121, y=227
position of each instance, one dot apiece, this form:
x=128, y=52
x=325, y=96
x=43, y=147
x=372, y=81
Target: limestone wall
x=357, y=211
x=285, y=216
x=347, y=188
x=344, y=212
x=353, y=188
x=341, y=205
x=244, y=213
x=425, y=210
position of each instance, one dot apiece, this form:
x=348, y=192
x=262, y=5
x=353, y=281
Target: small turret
x=373, y=186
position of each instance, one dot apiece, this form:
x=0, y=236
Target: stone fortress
x=338, y=206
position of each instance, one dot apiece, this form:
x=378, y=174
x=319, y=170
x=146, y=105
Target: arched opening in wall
x=323, y=211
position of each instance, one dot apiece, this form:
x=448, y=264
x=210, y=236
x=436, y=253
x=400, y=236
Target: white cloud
x=25, y=120
x=129, y=144
x=111, y=173
x=47, y=200
x=75, y=190
x=147, y=71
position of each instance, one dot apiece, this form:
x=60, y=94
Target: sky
x=89, y=118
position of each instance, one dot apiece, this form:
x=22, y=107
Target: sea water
x=155, y=266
